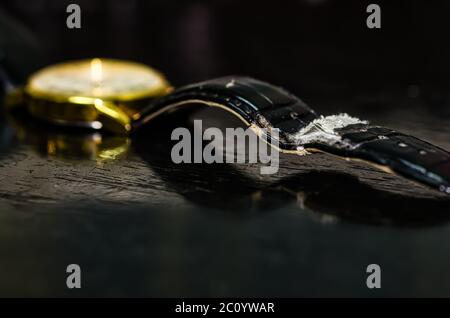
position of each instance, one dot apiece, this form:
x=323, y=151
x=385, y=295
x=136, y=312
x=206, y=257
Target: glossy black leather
x=265, y=105
x=255, y=101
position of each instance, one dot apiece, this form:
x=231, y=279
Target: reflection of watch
x=261, y=105
x=95, y=93
x=67, y=143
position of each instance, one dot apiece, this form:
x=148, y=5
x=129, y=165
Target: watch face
x=105, y=79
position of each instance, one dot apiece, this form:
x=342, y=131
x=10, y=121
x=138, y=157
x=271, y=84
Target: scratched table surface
x=140, y=225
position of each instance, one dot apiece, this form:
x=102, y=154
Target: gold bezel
x=160, y=89
x=112, y=111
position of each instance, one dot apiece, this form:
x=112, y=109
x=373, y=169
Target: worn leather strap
x=262, y=105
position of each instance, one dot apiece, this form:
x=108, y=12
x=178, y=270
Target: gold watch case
x=95, y=93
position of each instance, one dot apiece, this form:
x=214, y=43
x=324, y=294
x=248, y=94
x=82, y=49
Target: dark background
x=308, y=46
x=139, y=226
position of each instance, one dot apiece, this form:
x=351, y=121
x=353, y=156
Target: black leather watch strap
x=262, y=105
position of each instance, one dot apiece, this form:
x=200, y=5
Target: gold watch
x=95, y=93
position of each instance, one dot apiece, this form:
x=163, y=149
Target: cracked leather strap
x=262, y=105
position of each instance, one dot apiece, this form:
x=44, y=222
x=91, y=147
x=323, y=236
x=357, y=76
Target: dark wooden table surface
x=139, y=225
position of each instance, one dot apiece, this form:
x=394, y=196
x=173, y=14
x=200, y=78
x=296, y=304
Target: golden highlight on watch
x=95, y=93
